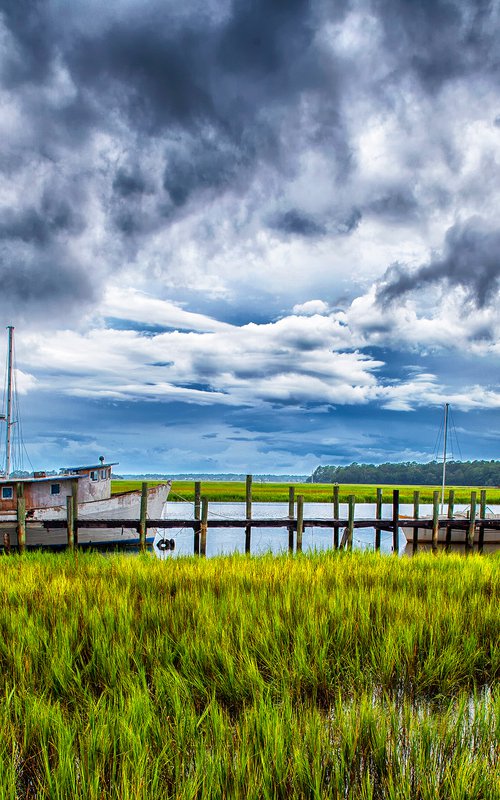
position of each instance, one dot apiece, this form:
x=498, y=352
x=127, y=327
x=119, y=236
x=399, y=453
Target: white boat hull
x=458, y=535
x=124, y=506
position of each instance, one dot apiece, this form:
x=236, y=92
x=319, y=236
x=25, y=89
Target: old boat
x=457, y=534
x=45, y=495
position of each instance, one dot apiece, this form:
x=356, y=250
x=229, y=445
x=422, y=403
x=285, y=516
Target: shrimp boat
x=457, y=534
x=45, y=495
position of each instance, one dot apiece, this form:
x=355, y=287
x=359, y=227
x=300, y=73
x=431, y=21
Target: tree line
x=458, y=473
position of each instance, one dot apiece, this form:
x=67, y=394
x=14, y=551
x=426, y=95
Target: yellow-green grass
x=335, y=675
x=233, y=491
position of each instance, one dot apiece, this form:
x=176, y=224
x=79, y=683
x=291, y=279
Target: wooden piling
x=469, y=544
x=451, y=506
x=143, y=517
x=291, y=515
x=395, y=521
x=21, y=518
x=300, y=521
x=203, y=527
x=70, y=522
x=74, y=495
x=350, y=520
x=197, y=515
x=378, y=515
x=482, y=514
x=435, y=521
x=336, y=515
x=416, y=513
x=248, y=512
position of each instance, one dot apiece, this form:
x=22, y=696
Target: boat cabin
x=46, y=491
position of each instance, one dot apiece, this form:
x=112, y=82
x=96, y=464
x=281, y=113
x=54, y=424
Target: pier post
x=416, y=514
x=203, y=527
x=197, y=516
x=248, y=512
x=21, y=518
x=451, y=511
x=378, y=515
x=395, y=521
x=336, y=514
x=469, y=541
x=435, y=521
x=482, y=514
x=291, y=515
x=74, y=495
x=350, y=521
x=144, y=516
x=300, y=521
x=70, y=522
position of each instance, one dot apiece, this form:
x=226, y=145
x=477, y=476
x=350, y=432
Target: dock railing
x=295, y=522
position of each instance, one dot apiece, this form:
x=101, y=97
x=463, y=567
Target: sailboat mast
x=446, y=407
x=10, y=371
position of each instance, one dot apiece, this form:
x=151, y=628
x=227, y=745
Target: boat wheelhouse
x=49, y=491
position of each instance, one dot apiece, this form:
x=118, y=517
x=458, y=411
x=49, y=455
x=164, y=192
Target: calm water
x=264, y=540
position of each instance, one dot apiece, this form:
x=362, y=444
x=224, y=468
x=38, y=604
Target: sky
x=251, y=236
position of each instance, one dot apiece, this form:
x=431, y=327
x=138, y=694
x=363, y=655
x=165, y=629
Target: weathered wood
x=351, y=500
x=143, y=516
x=416, y=514
x=472, y=522
x=300, y=521
x=74, y=494
x=395, y=521
x=336, y=515
x=451, y=508
x=21, y=518
x=482, y=515
x=248, y=506
x=291, y=515
x=197, y=516
x=70, y=522
x=435, y=520
x=203, y=527
x=378, y=515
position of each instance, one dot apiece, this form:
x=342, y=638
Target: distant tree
x=458, y=473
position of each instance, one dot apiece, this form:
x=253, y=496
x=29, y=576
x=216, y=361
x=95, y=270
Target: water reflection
x=224, y=541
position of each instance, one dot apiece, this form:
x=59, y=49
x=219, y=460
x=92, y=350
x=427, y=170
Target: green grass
x=335, y=675
x=232, y=491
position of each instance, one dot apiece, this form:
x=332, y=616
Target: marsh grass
x=334, y=675
x=234, y=491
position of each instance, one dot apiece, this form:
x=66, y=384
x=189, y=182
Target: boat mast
x=10, y=371
x=446, y=406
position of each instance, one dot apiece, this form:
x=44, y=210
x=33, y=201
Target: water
x=223, y=541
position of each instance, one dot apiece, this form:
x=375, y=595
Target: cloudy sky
x=251, y=235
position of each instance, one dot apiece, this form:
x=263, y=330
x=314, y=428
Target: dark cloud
x=471, y=260
x=129, y=183
x=199, y=99
x=36, y=286
x=40, y=226
x=441, y=40
x=396, y=206
x=297, y=223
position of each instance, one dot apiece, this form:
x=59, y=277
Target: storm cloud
x=471, y=261
x=159, y=110
x=184, y=181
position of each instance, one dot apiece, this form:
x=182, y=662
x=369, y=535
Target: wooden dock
x=342, y=527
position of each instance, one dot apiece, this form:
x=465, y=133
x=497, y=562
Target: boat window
x=104, y=474
x=94, y=475
x=7, y=492
x=55, y=488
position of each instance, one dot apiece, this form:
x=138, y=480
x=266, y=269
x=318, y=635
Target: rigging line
x=437, y=444
x=454, y=433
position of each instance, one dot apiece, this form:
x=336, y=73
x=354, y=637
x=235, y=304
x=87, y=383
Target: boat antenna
x=446, y=409
x=10, y=371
